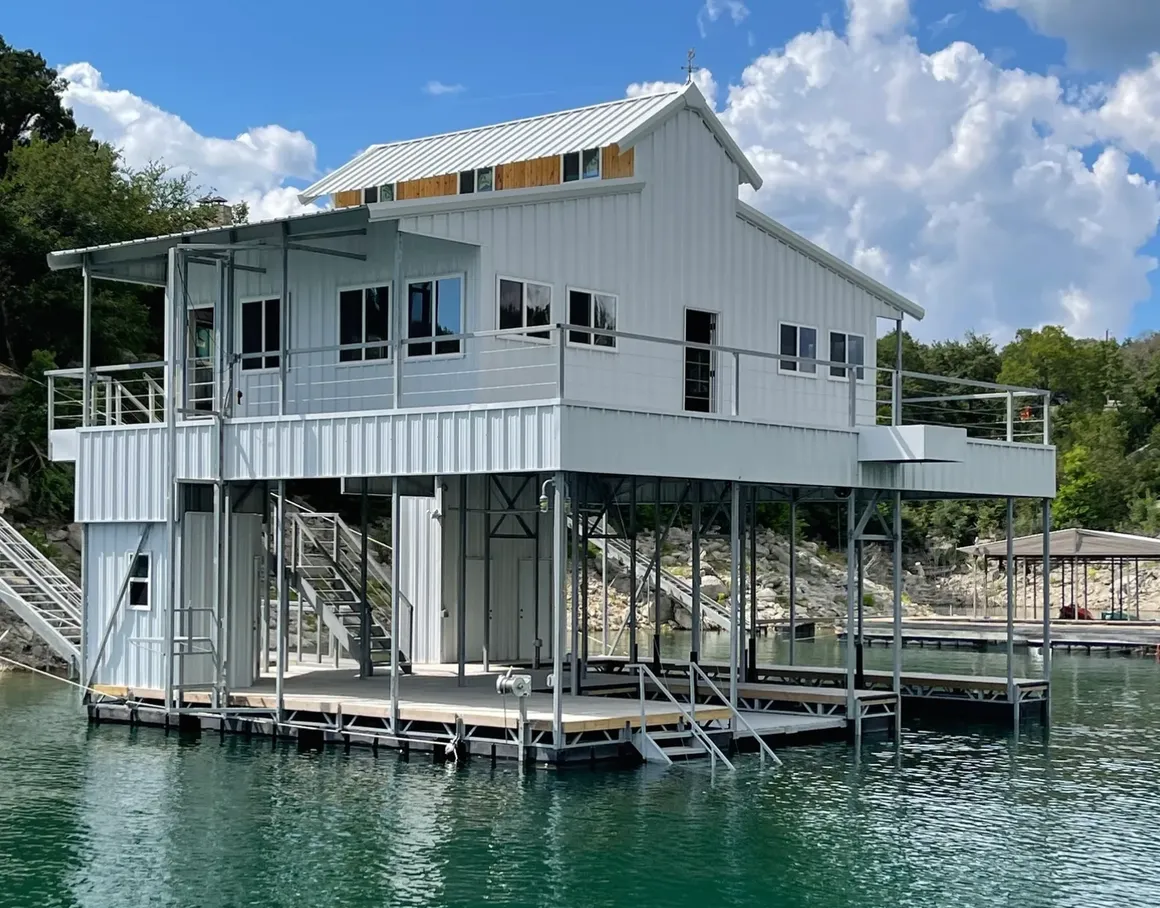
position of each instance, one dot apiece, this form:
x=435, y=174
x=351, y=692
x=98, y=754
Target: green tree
x=29, y=101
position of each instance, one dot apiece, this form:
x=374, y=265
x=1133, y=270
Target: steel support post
x=461, y=596
x=1047, y=603
x=752, y=666
x=851, y=592
x=604, y=589
x=1012, y=694
x=487, y=530
x=633, y=579
x=583, y=583
x=734, y=592
x=284, y=321
x=399, y=310
x=536, y=572
x=559, y=581
x=793, y=579
x=657, y=543
x=283, y=602
x=86, y=341
x=896, y=597
x=216, y=601
x=574, y=654
x=695, y=636
x=366, y=666
x=742, y=577
x=860, y=674
x=396, y=577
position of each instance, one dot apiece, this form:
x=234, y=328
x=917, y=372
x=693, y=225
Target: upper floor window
x=364, y=317
x=524, y=304
x=849, y=349
x=139, y=581
x=261, y=333
x=434, y=309
x=581, y=165
x=798, y=340
x=481, y=179
x=592, y=310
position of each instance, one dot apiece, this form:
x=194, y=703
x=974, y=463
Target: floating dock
x=1128, y=637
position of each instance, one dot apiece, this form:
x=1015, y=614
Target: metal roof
x=1074, y=543
x=622, y=122
x=251, y=231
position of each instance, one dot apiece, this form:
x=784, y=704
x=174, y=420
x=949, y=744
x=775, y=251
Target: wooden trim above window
x=348, y=199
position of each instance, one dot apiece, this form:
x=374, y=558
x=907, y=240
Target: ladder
x=40, y=594
x=324, y=564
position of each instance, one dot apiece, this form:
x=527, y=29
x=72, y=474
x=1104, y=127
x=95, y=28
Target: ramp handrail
x=24, y=553
x=764, y=748
x=697, y=731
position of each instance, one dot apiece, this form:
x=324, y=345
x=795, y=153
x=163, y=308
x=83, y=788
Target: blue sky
x=258, y=97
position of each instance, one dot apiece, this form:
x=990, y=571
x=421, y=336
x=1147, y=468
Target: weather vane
x=689, y=68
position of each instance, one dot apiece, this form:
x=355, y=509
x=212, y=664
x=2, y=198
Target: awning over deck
x=1076, y=543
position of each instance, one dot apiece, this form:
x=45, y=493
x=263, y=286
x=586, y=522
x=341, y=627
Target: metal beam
x=338, y=253
x=896, y=596
x=86, y=341
x=396, y=577
x=734, y=592
x=559, y=578
x=1047, y=601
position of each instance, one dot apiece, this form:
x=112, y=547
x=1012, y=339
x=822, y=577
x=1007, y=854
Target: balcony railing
x=576, y=363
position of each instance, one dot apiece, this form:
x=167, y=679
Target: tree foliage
x=60, y=189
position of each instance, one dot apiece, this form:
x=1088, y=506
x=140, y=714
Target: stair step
x=684, y=752
x=670, y=735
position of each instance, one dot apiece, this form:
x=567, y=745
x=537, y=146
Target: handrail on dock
x=763, y=747
x=698, y=732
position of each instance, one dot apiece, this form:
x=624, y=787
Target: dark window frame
x=348, y=353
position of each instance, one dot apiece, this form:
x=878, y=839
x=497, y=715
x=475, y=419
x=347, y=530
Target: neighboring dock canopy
x=1078, y=544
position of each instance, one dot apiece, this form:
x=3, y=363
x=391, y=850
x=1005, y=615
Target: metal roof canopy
x=1074, y=544
x=623, y=123
x=258, y=235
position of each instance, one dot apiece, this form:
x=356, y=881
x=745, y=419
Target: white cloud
x=712, y=10
x=956, y=181
x=702, y=78
x=252, y=167
x=876, y=19
x=1111, y=33
x=435, y=87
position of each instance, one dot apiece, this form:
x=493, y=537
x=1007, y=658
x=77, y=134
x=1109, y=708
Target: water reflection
x=106, y=816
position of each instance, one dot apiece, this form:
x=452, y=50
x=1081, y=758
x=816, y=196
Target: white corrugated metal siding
x=488, y=146
x=121, y=474
x=420, y=574
x=134, y=653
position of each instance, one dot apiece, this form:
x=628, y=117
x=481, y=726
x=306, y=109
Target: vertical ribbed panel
x=121, y=474
x=420, y=575
x=134, y=653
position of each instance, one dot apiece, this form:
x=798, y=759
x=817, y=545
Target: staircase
x=676, y=588
x=40, y=594
x=324, y=565
x=688, y=740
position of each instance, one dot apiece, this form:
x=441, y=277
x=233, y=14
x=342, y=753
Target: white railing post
x=736, y=384
x=896, y=398
x=51, y=402
x=852, y=376
x=1010, y=416
x=560, y=373
x=1047, y=417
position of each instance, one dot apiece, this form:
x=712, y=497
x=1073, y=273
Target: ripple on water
x=105, y=816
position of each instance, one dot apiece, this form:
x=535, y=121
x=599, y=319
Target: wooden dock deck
x=928, y=690
x=335, y=705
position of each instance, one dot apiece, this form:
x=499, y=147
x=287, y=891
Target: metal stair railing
x=764, y=748
x=40, y=593
x=698, y=732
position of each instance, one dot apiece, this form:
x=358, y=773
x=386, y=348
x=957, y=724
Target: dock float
x=1128, y=637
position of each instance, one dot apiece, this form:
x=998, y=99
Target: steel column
x=735, y=550
x=632, y=585
x=860, y=674
x=1047, y=601
x=487, y=573
x=695, y=637
x=86, y=340
x=656, y=616
x=399, y=309
x=284, y=321
x=896, y=597
x=1012, y=694
x=559, y=579
x=461, y=597
x=793, y=578
x=753, y=586
x=396, y=572
x=366, y=668
x=574, y=654
x=283, y=601
x=851, y=592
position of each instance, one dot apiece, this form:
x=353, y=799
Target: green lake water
x=108, y=816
